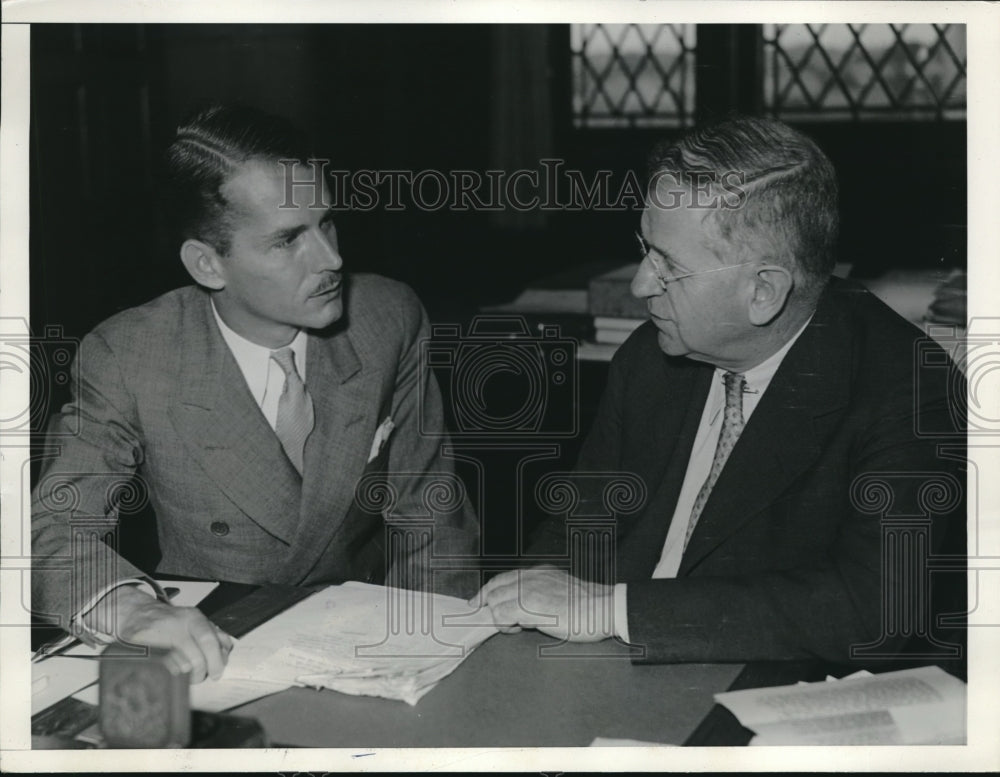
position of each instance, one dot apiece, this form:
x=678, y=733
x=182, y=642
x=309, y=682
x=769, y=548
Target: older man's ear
x=772, y=286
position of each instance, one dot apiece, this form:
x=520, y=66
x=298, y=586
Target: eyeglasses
x=655, y=257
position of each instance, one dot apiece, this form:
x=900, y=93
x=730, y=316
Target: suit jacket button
x=219, y=528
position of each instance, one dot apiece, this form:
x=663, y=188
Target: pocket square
x=381, y=435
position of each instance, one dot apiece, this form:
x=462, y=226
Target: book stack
x=615, y=330
x=616, y=312
x=559, y=299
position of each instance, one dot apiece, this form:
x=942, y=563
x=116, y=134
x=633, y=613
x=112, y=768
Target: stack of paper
x=363, y=640
x=910, y=707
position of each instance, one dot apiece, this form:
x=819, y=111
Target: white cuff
x=621, y=611
x=94, y=638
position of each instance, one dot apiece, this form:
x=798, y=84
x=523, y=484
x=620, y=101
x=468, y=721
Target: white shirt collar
x=254, y=360
x=758, y=378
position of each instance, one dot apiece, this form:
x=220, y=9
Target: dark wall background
x=105, y=100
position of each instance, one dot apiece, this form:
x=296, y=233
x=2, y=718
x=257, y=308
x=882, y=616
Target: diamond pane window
x=854, y=71
x=632, y=75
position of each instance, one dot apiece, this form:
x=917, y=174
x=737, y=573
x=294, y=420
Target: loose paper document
x=362, y=639
x=909, y=707
x=57, y=677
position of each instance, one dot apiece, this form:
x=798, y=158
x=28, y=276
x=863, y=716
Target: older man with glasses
x=759, y=406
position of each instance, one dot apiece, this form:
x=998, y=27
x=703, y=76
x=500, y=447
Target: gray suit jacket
x=165, y=414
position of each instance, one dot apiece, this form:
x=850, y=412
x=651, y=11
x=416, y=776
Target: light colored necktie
x=295, y=409
x=732, y=425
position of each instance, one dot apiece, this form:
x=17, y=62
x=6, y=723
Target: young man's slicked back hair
x=209, y=146
x=788, y=208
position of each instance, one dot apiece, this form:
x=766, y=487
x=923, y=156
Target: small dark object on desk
x=236, y=607
x=145, y=701
x=71, y=725
x=252, y=606
x=211, y=730
x=61, y=722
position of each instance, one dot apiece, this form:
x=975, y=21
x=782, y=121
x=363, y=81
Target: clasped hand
x=552, y=601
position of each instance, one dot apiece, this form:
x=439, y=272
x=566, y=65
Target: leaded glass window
x=862, y=71
x=632, y=75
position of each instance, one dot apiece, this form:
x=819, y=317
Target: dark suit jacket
x=165, y=413
x=786, y=560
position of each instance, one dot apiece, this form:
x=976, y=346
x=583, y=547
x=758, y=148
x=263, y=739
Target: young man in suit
x=766, y=408
x=272, y=412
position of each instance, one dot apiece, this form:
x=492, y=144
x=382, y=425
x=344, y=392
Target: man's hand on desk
x=142, y=619
x=544, y=598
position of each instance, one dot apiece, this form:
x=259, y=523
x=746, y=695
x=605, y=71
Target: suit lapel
x=336, y=451
x=227, y=433
x=784, y=436
x=675, y=420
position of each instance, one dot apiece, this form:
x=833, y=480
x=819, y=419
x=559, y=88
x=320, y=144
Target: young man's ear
x=202, y=263
x=772, y=285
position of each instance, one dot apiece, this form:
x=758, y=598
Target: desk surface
x=506, y=695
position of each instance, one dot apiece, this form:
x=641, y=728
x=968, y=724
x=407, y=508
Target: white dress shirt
x=700, y=464
x=263, y=375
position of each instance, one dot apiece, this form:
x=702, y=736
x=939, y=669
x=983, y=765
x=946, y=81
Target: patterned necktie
x=295, y=409
x=732, y=425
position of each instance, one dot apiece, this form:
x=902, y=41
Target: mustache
x=329, y=282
